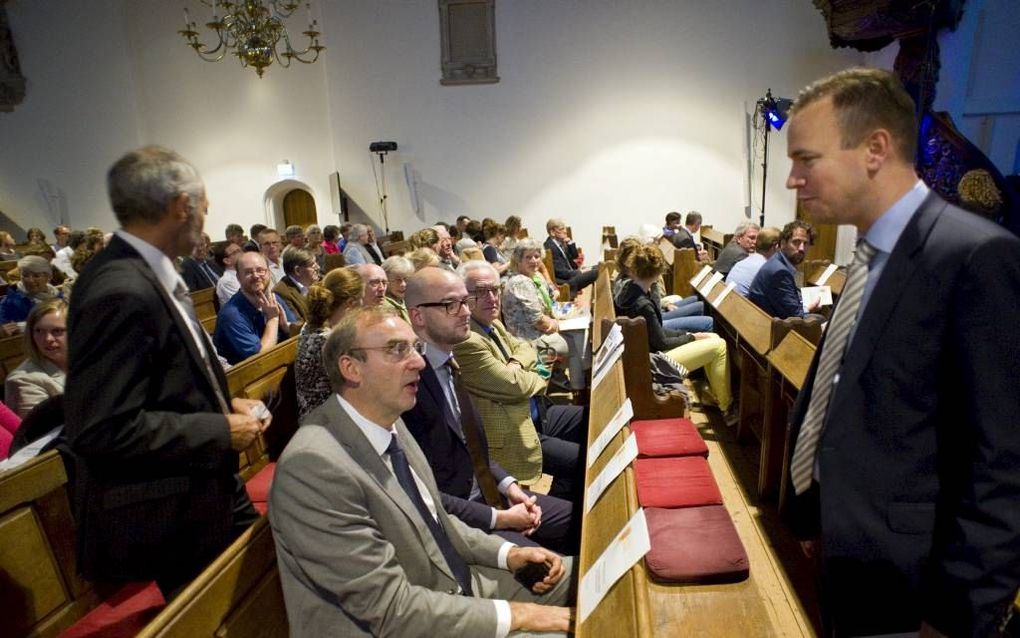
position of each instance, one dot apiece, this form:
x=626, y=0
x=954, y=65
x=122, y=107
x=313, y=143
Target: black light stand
x=381, y=149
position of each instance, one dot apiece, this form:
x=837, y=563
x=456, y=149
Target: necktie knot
x=453, y=365
x=865, y=252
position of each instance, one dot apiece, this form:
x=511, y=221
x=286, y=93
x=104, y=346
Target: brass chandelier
x=255, y=30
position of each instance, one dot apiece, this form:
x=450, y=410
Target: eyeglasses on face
x=254, y=271
x=484, y=291
x=397, y=351
x=452, y=307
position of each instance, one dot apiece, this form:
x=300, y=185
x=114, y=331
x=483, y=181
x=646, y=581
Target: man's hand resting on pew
x=250, y=417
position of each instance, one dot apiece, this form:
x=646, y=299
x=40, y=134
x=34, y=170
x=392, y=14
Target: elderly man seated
x=739, y=247
x=255, y=319
x=364, y=544
x=501, y=373
x=566, y=258
x=33, y=287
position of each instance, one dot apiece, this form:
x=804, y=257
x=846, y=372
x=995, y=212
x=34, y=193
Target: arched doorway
x=299, y=208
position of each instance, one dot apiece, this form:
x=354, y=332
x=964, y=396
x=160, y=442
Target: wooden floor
x=779, y=569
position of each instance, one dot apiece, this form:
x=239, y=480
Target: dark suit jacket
x=774, y=288
x=729, y=256
x=143, y=418
x=564, y=265
x=919, y=458
x=432, y=424
x=194, y=276
x=683, y=238
x=291, y=294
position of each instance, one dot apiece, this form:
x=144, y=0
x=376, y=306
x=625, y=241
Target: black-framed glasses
x=484, y=291
x=452, y=307
x=397, y=351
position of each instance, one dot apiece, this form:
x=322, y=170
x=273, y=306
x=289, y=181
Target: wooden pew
x=333, y=262
x=238, y=595
x=637, y=605
x=206, y=303
x=790, y=361
x=684, y=264
x=41, y=590
x=714, y=241
x=270, y=372
x=836, y=280
x=564, y=289
x=396, y=248
x=12, y=353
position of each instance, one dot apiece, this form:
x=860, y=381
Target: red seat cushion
x=258, y=487
x=675, y=482
x=695, y=545
x=123, y=614
x=6, y=438
x=668, y=437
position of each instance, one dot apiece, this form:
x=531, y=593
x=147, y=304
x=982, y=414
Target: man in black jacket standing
x=148, y=410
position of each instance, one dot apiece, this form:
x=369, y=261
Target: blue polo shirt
x=239, y=328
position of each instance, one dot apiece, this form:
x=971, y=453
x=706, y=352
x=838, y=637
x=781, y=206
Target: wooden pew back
x=685, y=265
x=12, y=353
x=41, y=590
x=238, y=595
x=268, y=373
x=334, y=261
x=396, y=248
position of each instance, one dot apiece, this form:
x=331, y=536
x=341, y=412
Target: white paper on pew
x=579, y=322
x=696, y=279
x=629, y=546
x=712, y=281
x=616, y=465
x=722, y=295
x=607, y=365
x=831, y=268
x=30, y=451
x=621, y=418
x=810, y=293
x=609, y=342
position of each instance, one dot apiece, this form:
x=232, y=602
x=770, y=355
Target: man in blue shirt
x=774, y=288
x=251, y=322
x=745, y=270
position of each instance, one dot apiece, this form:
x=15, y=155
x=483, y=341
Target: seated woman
x=44, y=371
x=528, y=313
x=494, y=235
x=691, y=350
x=315, y=240
x=398, y=269
x=7, y=244
x=686, y=315
x=328, y=301
x=34, y=287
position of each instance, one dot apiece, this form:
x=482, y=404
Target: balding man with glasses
x=364, y=544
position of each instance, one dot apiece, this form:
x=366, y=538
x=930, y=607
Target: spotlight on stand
x=774, y=112
x=381, y=149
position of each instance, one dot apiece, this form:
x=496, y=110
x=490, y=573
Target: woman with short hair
x=34, y=287
x=44, y=371
x=398, y=269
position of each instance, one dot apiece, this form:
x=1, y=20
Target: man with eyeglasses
x=451, y=432
x=271, y=246
x=364, y=544
x=501, y=373
x=255, y=319
x=375, y=280
x=302, y=271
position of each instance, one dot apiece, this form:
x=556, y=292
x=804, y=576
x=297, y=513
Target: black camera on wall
x=382, y=147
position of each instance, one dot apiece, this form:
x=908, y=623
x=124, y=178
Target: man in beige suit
x=500, y=371
x=363, y=543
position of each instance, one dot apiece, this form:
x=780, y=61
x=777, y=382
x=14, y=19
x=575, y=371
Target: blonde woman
x=328, y=301
x=43, y=373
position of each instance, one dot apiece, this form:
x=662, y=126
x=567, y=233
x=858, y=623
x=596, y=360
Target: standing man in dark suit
x=147, y=402
x=480, y=493
x=906, y=450
x=566, y=258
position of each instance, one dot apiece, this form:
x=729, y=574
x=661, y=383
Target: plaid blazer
x=503, y=397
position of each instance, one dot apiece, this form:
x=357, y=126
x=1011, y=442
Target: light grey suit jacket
x=30, y=384
x=355, y=556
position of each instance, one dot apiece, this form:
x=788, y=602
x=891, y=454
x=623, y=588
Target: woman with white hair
x=528, y=312
x=34, y=287
x=398, y=269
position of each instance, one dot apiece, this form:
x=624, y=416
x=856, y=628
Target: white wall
x=606, y=113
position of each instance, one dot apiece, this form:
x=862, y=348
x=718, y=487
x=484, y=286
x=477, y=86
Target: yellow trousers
x=710, y=354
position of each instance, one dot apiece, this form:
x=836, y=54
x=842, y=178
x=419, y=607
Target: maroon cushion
x=258, y=487
x=6, y=438
x=668, y=437
x=675, y=482
x=124, y=614
x=695, y=545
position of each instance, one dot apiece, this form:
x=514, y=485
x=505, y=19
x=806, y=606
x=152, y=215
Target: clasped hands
x=524, y=513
